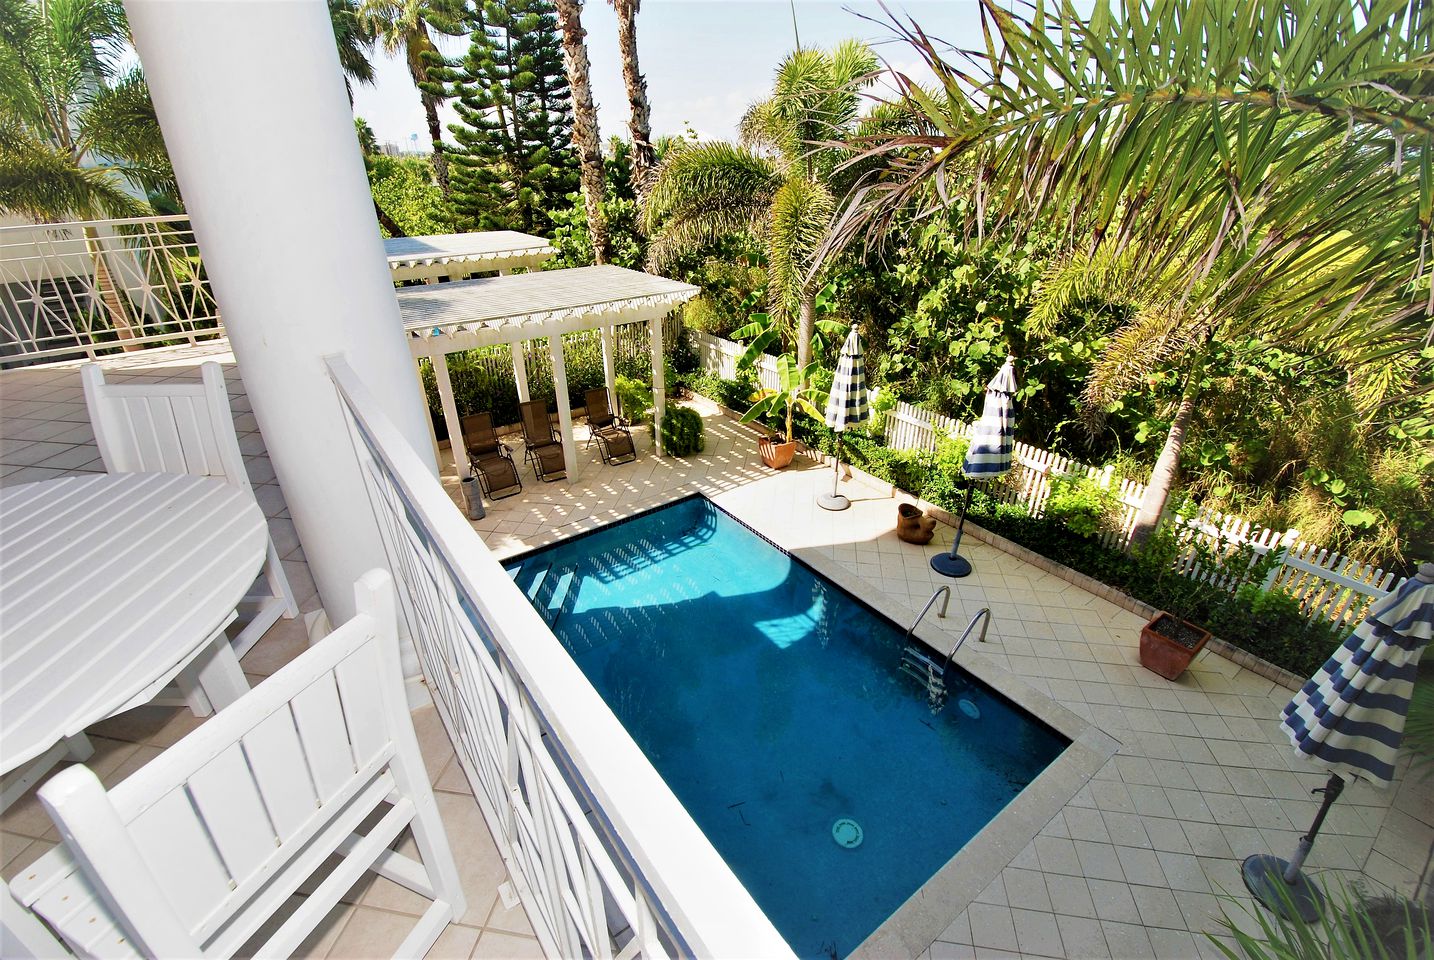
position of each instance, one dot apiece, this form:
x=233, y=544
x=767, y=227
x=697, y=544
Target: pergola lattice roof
x=447, y=317
x=413, y=258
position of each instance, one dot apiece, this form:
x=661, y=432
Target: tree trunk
x=585, y=128
x=1167, y=465
x=435, y=132
x=109, y=295
x=640, y=123
x=385, y=221
x=806, y=326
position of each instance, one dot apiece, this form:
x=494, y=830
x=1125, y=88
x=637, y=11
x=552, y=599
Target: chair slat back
x=165, y=427
x=193, y=852
x=537, y=430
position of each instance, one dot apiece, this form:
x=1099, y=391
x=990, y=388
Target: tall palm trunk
x=806, y=325
x=385, y=221
x=435, y=133
x=1167, y=465
x=640, y=123
x=109, y=294
x=585, y=128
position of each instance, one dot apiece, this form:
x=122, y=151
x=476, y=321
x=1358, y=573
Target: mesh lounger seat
x=491, y=460
x=615, y=444
x=600, y=416
x=543, y=448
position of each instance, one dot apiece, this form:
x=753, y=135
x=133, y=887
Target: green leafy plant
x=1083, y=505
x=634, y=398
x=794, y=394
x=1353, y=926
x=682, y=432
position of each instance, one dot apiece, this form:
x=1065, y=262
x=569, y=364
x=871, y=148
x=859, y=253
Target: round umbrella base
x=949, y=566
x=832, y=501
x=1265, y=877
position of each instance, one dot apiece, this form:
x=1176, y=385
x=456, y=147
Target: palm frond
x=1236, y=142
x=801, y=216
x=122, y=127
x=704, y=193
x=40, y=181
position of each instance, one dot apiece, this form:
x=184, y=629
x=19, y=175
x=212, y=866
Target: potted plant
x=794, y=394
x=1169, y=641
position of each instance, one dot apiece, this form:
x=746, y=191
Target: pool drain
x=847, y=833
x=969, y=708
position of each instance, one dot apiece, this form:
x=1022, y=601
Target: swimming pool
x=773, y=704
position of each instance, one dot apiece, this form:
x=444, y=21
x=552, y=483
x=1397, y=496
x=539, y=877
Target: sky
x=705, y=60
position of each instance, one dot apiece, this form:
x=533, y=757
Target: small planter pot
x=776, y=455
x=473, y=498
x=1168, y=644
x=912, y=525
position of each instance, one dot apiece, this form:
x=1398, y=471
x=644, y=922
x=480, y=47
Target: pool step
x=921, y=664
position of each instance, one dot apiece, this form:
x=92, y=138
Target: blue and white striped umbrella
x=1350, y=716
x=846, y=405
x=994, y=436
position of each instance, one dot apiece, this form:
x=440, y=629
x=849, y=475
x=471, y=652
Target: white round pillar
x=252, y=104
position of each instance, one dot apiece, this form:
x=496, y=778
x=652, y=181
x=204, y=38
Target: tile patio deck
x=1132, y=866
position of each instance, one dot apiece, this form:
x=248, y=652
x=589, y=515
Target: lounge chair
x=491, y=460
x=600, y=415
x=543, y=447
x=615, y=444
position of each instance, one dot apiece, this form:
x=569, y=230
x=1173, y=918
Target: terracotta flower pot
x=776, y=455
x=1168, y=644
x=912, y=525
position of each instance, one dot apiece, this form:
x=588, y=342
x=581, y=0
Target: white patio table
x=110, y=586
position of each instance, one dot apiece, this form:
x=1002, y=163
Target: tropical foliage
x=1267, y=164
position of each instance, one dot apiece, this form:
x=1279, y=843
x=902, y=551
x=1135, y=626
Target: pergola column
x=292, y=251
x=565, y=410
x=520, y=370
x=450, y=415
x=659, y=383
x=609, y=367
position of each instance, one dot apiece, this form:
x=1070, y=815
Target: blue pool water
x=772, y=703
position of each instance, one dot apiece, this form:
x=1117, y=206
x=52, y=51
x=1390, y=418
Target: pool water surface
x=773, y=704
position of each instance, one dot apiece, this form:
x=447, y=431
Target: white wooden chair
x=197, y=852
x=183, y=428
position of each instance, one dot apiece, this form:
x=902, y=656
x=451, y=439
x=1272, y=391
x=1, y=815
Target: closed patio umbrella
x=846, y=406
x=989, y=456
x=1349, y=718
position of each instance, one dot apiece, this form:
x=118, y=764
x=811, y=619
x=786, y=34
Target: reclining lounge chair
x=609, y=430
x=492, y=461
x=544, y=449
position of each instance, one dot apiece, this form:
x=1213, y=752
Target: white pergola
x=460, y=254
x=444, y=318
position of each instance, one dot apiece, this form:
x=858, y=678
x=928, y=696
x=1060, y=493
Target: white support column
x=450, y=416
x=609, y=365
x=292, y=251
x=520, y=370
x=565, y=411
x=659, y=384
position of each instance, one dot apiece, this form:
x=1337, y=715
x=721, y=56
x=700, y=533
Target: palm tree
x=76, y=136
x=404, y=25
x=585, y=127
x=1269, y=160
x=640, y=121
x=778, y=184
x=355, y=40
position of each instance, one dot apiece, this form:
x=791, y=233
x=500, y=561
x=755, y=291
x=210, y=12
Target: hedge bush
x=682, y=432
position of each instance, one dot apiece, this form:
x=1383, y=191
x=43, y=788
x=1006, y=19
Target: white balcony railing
x=606, y=860
x=94, y=287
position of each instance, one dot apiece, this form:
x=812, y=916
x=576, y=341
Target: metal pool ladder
x=916, y=659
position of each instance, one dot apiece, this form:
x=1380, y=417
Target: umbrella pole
x=953, y=564
x=834, y=500
x=1281, y=886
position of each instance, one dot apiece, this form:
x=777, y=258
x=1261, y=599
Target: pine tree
x=514, y=160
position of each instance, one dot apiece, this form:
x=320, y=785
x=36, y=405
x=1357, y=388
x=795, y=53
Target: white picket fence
x=1328, y=584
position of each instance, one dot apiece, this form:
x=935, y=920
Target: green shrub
x=634, y=398
x=1271, y=624
x=1082, y=504
x=736, y=394
x=682, y=432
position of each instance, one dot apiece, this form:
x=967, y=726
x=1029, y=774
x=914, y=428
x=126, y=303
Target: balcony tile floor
x=1133, y=866
x=45, y=433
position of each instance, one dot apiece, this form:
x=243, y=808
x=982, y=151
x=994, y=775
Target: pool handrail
x=984, y=615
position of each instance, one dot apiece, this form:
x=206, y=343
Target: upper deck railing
x=95, y=287
x=605, y=858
